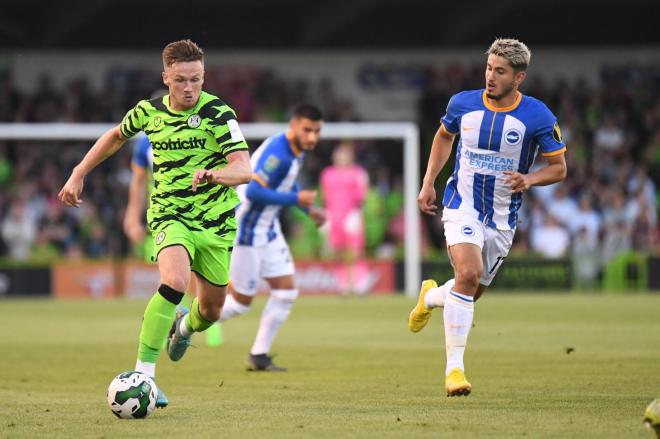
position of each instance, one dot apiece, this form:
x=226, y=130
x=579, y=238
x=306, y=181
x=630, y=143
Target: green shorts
x=209, y=253
x=147, y=250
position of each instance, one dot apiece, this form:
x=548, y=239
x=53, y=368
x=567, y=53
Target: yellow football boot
x=456, y=383
x=420, y=314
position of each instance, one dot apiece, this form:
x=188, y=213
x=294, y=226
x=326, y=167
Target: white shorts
x=251, y=264
x=495, y=244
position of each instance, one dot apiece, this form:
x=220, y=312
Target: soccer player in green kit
x=200, y=155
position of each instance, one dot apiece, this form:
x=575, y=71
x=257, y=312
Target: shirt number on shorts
x=499, y=260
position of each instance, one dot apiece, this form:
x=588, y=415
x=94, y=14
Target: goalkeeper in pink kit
x=344, y=185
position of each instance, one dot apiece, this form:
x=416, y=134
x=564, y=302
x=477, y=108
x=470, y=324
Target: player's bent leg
x=430, y=296
x=204, y=310
x=456, y=384
x=210, y=300
x=420, y=314
x=236, y=304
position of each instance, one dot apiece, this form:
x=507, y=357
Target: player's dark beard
x=506, y=92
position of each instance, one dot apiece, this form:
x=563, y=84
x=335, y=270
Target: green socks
x=158, y=318
x=195, y=322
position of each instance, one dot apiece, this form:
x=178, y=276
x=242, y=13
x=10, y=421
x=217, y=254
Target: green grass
x=355, y=371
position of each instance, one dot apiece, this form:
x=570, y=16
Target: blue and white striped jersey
x=275, y=166
x=493, y=140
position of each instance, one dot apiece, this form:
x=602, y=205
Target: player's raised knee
x=175, y=281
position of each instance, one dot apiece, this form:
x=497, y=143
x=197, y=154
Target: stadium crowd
x=606, y=207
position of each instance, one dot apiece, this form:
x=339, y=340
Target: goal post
x=407, y=132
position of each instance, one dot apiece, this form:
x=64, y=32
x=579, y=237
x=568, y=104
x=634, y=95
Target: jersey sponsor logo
x=467, y=231
x=160, y=237
x=194, y=121
x=556, y=133
x=192, y=143
x=467, y=128
x=490, y=162
x=512, y=137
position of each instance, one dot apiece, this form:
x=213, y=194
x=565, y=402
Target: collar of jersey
x=166, y=102
x=502, y=109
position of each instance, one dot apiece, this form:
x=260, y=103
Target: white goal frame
x=408, y=132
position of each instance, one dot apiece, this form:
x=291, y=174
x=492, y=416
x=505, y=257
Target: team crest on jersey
x=157, y=121
x=556, y=133
x=160, y=237
x=467, y=231
x=512, y=137
x=194, y=121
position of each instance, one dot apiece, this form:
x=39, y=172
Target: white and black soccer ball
x=132, y=395
x=652, y=416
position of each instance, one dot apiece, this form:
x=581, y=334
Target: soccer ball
x=132, y=395
x=652, y=416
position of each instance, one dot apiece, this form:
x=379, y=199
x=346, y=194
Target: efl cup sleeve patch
x=556, y=133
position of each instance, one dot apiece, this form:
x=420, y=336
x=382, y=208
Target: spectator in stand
x=551, y=240
x=18, y=232
x=563, y=207
x=586, y=263
x=618, y=239
x=587, y=220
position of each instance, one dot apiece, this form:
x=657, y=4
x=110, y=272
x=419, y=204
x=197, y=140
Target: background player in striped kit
x=500, y=132
x=261, y=252
x=199, y=156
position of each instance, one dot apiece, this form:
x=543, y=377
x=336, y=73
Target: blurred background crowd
x=606, y=207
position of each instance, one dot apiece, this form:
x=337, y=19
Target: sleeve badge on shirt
x=556, y=133
x=271, y=164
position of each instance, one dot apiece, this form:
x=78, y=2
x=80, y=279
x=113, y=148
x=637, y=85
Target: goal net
x=405, y=132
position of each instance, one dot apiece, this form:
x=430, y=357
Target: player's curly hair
x=182, y=51
x=514, y=51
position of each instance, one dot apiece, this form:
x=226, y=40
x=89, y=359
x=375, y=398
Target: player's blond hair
x=182, y=51
x=514, y=51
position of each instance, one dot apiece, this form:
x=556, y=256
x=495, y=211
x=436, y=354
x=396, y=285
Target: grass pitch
x=541, y=366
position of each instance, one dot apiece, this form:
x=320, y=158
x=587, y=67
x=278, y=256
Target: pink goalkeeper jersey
x=344, y=189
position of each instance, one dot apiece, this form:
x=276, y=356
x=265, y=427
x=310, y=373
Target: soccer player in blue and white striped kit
x=260, y=250
x=500, y=132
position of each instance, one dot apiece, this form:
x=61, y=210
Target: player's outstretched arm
x=554, y=172
x=105, y=146
x=137, y=204
x=236, y=172
x=440, y=150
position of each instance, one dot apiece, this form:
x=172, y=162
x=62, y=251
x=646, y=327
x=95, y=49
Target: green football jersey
x=183, y=142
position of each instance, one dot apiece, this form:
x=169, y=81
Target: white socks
x=458, y=313
x=435, y=297
x=275, y=313
x=232, y=308
x=183, y=328
x=149, y=369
